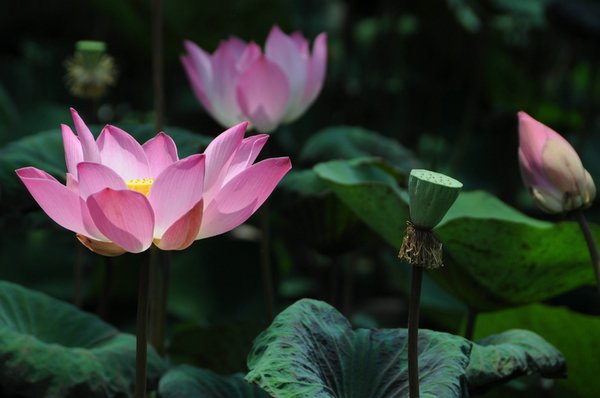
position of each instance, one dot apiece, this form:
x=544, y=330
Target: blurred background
x=444, y=78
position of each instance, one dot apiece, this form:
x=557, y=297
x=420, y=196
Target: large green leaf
x=51, y=349
x=574, y=334
x=496, y=256
x=348, y=142
x=45, y=151
x=310, y=350
x=189, y=382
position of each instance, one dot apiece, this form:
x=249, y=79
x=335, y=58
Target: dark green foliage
x=188, y=382
x=310, y=350
x=51, y=349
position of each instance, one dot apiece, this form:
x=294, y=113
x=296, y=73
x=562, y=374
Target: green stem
x=159, y=285
x=78, y=277
x=265, y=261
x=471, y=320
x=413, y=330
x=591, y=244
x=157, y=63
x=104, y=304
x=142, y=326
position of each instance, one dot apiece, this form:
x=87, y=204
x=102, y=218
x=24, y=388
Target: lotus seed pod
x=431, y=195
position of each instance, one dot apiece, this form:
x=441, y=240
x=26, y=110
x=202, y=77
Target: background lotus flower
x=551, y=168
x=122, y=196
x=238, y=82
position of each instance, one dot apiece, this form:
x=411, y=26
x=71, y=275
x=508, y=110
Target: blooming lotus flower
x=238, y=82
x=121, y=196
x=551, y=168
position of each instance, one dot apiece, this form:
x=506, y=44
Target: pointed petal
x=198, y=67
x=316, y=72
x=109, y=249
x=251, y=53
x=246, y=155
x=125, y=217
x=122, y=153
x=161, y=152
x=94, y=177
x=73, y=152
x=240, y=198
x=60, y=203
x=283, y=50
x=72, y=184
x=88, y=145
x=225, y=77
x=175, y=191
x=263, y=93
x=183, y=232
x=219, y=154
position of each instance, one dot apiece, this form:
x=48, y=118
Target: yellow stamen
x=141, y=185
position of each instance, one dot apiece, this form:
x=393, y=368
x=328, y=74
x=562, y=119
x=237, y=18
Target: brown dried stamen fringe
x=420, y=247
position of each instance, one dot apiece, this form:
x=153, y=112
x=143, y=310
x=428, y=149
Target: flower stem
x=471, y=320
x=104, y=304
x=591, y=244
x=413, y=330
x=157, y=63
x=157, y=311
x=142, y=326
x=265, y=261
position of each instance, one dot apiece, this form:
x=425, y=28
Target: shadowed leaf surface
x=49, y=348
x=310, y=350
x=189, y=382
x=495, y=256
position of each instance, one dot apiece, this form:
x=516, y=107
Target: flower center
x=141, y=185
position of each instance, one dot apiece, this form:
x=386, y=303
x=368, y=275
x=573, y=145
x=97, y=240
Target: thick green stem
x=104, y=304
x=159, y=285
x=265, y=261
x=413, y=331
x=471, y=320
x=591, y=244
x=141, y=333
x=157, y=63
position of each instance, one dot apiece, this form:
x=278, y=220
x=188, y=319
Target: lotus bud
x=551, y=169
x=90, y=71
x=431, y=195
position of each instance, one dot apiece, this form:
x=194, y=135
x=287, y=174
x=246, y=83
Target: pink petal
x=88, y=145
x=94, y=177
x=532, y=138
x=283, y=51
x=198, y=67
x=316, y=71
x=161, y=152
x=183, y=232
x=251, y=53
x=125, y=217
x=122, y=153
x=241, y=196
x=73, y=152
x=246, y=155
x=226, y=75
x=263, y=93
x=72, y=183
x=60, y=203
x=176, y=190
x=219, y=154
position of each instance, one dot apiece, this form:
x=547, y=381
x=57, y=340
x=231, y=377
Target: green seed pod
x=431, y=195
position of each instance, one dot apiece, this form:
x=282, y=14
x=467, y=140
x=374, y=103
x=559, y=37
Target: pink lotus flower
x=122, y=196
x=551, y=168
x=238, y=82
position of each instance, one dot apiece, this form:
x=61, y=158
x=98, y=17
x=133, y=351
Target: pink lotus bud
x=551, y=169
x=239, y=82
